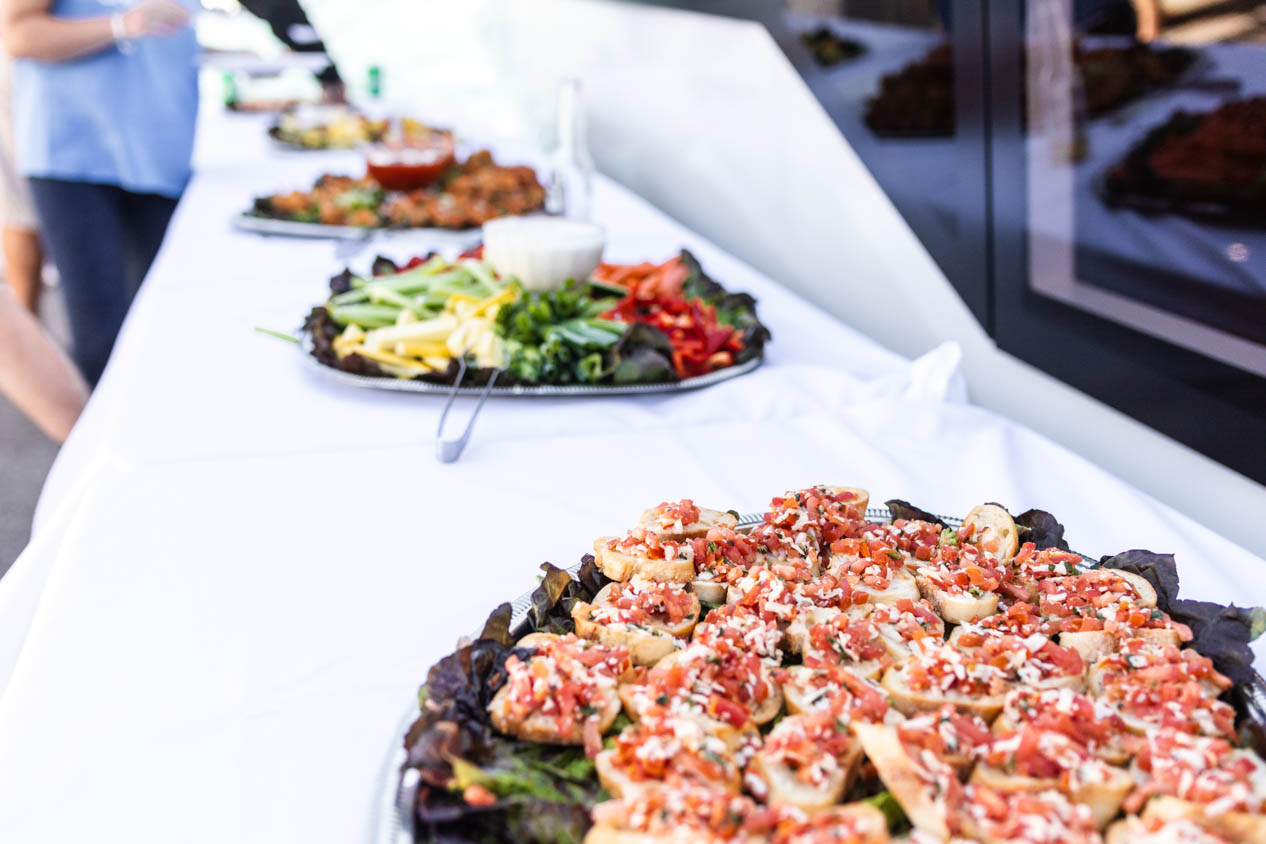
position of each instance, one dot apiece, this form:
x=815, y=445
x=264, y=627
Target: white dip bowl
x=543, y=252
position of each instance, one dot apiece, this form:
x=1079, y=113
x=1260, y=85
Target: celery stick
x=365, y=316
x=280, y=335
x=479, y=270
x=356, y=294
x=407, y=283
x=382, y=295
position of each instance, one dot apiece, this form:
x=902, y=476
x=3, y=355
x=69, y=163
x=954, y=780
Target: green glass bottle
x=230, y=89
x=375, y=81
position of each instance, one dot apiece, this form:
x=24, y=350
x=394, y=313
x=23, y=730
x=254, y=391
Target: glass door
x=1129, y=203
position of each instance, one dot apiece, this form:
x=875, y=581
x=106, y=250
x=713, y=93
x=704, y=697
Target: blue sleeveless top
x=124, y=119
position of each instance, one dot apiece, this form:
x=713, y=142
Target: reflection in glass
x=1147, y=172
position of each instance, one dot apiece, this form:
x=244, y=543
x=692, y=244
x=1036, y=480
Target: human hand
x=154, y=17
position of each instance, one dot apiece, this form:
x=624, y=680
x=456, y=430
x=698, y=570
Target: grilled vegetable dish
x=629, y=324
x=467, y=196
x=343, y=128
x=822, y=676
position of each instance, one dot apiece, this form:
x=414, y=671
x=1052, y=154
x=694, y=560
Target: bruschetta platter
x=830, y=672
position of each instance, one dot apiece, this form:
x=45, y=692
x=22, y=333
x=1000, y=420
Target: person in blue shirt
x=105, y=102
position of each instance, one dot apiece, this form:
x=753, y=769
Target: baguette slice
x=851, y=823
x=994, y=524
x=542, y=728
x=648, y=643
x=1233, y=826
x=618, y=565
x=1114, y=752
x=1093, y=645
x=901, y=585
x=536, y=640
x=1142, y=587
x=709, y=591
x=783, y=783
x=909, y=701
x=860, y=500
x=954, y=607
x=785, y=789
x=765, y=712
x=649, y=520
x=1104, y=798
x=662, y=814
x=803, y=695
x=722, y=739
x=911, y=787
x=1132, y=830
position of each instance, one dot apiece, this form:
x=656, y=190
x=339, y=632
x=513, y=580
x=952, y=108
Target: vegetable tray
x=402, y=385
x=393, y=820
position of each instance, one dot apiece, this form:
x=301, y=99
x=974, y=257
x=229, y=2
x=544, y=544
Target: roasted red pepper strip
x=700, y=343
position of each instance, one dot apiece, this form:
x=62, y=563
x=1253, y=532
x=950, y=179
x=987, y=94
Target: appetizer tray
x=994, y=805
x=402, y=385
x=435, y=325
x=270, y=226
x=342, y=128
x=427, y=187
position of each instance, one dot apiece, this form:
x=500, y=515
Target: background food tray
x=256, y=224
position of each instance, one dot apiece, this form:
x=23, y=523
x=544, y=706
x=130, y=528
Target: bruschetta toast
x=650, y=618
x=807, y=762
x=680, y=813
x=1035, y=760
x=938, y=673
x=813, y=689
x=643, y=553
x=666, y=748
x=927, y=788
x=851, y=823
x=678, y=520
x=564, y=693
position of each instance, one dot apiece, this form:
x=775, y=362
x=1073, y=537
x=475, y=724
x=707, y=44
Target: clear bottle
x=569, y=187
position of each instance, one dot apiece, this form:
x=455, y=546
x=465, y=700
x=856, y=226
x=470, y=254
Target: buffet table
x=241, y=571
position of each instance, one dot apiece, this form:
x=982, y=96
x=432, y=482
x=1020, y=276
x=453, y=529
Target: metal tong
x=448, y=451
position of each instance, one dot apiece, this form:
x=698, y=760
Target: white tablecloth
x=242, y=571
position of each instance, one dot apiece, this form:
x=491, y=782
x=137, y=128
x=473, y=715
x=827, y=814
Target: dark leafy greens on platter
x=477, y=786
x=484, y=779
x=629, y=324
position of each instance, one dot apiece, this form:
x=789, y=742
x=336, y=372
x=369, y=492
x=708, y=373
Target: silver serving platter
x=397, y=787
x=405, y=385
x=255, y=224
x=393, y=817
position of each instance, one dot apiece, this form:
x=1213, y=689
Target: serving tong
x=449, y=450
